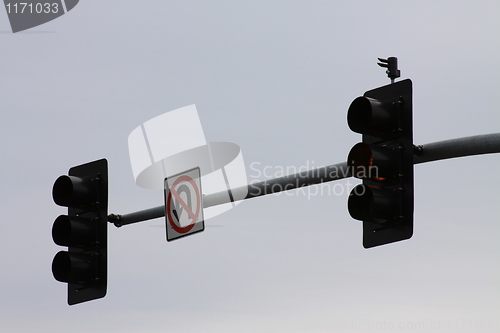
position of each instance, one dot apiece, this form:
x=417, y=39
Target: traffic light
x=84, y=231
x=384, y=161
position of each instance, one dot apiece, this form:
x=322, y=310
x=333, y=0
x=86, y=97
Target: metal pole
x=468, y=146
x=285, y=183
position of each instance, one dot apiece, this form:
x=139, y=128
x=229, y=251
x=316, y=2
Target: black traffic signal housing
x=384, y=161
x=84, y=231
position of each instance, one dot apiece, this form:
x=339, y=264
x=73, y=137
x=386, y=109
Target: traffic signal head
x=384, y=161
x=84, y=231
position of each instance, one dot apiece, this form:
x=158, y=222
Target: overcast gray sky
x=277, y=78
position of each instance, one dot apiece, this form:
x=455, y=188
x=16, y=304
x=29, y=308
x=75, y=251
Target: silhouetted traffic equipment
x=384, y=161
x=384, y=201
x=84, y=231
x=391, y=64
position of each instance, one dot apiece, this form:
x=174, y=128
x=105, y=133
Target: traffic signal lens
x=372, y=162
x=373, y=204
x=360, y=160
x=70, y=191
x=72, y=231
x=359, y=115
x=72, y=267
x=360, y=202
x=372, y=117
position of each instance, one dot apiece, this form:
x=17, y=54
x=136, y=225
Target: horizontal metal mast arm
x=285, y=183
x=301, y=179
x=468, y=146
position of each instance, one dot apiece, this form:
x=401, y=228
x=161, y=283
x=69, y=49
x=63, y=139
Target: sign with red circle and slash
x=183, y=204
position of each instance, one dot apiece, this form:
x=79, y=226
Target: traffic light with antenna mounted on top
x=384, y=161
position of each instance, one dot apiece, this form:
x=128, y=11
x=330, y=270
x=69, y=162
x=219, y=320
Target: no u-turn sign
x=183, y=204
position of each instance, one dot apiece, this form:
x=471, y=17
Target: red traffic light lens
x=372, y=162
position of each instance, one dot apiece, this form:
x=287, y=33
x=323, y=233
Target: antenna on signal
x=391, y=64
